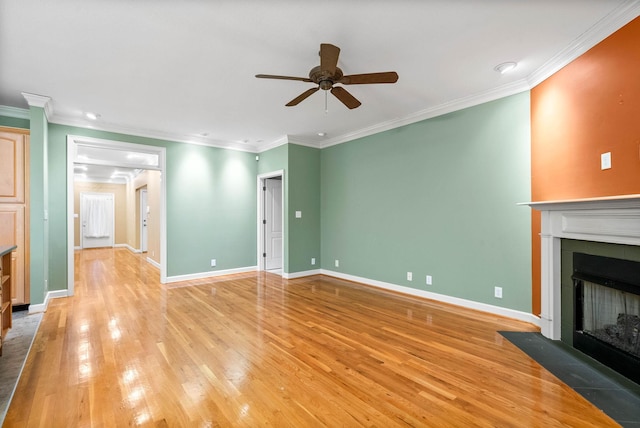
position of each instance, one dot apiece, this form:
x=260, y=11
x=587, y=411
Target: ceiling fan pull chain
x=326, y=109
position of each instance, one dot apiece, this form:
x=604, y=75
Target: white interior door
x=97, y=215
x=144, y=215
x=273, y=223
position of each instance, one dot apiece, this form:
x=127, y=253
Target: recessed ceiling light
x=322, y=134
x=505, y=67
x=92, y=116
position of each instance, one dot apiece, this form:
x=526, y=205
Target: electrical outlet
x=213, y=262
x=409, y=276
x=497, y=292
x=337, y=263
x=429, y=280
x=313, y=260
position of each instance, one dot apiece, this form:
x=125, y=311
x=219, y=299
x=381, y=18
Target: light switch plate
x=605, y=160
x=298, y=214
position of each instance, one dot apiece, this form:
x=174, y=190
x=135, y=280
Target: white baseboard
x=212, y=274
x=469, y=304
x=153, y=262
x=130, y=248
x=42, y=307
x=295, y=275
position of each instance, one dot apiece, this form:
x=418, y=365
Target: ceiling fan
x=327, y=74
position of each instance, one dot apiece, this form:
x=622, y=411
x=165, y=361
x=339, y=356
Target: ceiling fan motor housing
x=325, y=79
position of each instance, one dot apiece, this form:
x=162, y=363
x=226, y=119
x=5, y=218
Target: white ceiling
x=183, y=69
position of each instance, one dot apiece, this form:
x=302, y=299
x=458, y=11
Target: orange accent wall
x=590, y=107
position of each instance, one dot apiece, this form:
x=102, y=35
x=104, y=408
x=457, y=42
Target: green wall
x=39, y=238
x=211, y=208
x=304, y=195
x=436, y=198
x=14, y=122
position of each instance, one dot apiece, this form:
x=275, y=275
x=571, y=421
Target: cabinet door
x=12, y=233
x=12, y=167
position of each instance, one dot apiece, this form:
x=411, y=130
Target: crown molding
x=618, y=18
x=448, y=107
x=148, y=133
x=273, y=144
x=41, y=101
x=15, y=112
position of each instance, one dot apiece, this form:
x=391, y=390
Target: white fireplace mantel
x=613, y=220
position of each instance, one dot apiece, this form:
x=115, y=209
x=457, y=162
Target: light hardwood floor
x=253, y=350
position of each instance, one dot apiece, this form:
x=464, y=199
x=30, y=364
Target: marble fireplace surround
x=614, y=219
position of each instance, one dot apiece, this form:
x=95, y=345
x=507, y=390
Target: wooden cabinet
x=6, y=282
x=14, y=206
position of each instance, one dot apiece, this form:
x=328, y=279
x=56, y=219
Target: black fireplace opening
x=607, y=311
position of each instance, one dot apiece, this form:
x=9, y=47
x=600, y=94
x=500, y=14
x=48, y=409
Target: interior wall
x=304, y=237
x=120, y=208
x=14, y=122
x=590, y=107
x=438, y=197
x=211, y=209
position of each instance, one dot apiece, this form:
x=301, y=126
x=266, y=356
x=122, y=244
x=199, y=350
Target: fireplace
x=612, y=219
x=607, y=311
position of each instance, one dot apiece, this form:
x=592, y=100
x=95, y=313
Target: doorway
x=99, y=152
x=143, y=214
x=271, y=232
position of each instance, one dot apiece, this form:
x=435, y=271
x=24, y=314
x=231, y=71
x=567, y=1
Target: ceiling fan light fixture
x=505, y=67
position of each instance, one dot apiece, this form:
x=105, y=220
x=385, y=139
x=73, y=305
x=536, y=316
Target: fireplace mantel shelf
x=586, y=203
x=612, y=219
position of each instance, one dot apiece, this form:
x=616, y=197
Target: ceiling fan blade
x=329, y=57
x=347, y=99
x=360, y=79
x=301, y=97
x=272, y=76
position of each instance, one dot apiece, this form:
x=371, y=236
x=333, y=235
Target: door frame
x=73, y=141
x=260, y=214
x=142, y=217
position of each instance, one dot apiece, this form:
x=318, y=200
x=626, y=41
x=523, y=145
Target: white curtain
x=98, y=216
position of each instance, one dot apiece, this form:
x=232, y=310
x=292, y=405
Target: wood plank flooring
x=252, y=350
